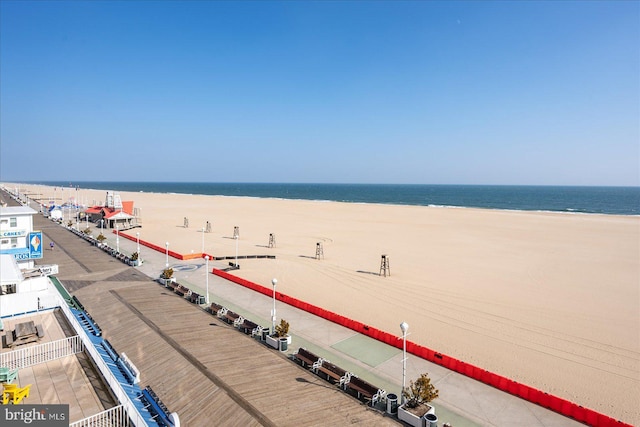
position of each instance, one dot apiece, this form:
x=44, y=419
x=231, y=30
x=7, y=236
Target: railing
x=117, y=389
x=114, y=417
x=41, y=353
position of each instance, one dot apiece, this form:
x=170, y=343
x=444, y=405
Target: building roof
x=16, y=210
x=10, y=271
x=117, y=215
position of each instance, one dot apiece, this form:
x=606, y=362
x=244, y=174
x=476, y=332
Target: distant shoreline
x=555, y=199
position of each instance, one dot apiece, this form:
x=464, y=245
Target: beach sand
x=549, y=300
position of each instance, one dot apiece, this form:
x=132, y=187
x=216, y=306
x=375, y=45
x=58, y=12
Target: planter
x=279, y=343
x=413, y=419
x=166, y=282
x=135, y=263
x=273, y=341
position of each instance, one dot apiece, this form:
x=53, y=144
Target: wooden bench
x=247, y=326
x=230, y=317
x=194, y=298
x=362, y=388
x=181, y=290
x=8, y=375
x=332, y=371
x=214, y=308
x=305, y=357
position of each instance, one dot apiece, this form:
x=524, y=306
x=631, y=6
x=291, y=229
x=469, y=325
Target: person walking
x=51, y=245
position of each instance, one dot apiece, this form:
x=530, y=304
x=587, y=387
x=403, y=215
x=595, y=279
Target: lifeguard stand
x=236, y=232
x=384, y=266
x=319, y=251
x=208, y=227
x=272, y=240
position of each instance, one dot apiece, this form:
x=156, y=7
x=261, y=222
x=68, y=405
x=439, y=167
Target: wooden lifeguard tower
x=384, y=266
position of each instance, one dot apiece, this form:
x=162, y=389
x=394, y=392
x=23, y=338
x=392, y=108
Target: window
x=13, y=222
x=14, y=242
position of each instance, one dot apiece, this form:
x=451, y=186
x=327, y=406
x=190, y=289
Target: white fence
x=114, y=417
x=111, y=380
x=41, y=353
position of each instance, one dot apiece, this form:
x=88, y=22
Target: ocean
x=569, y=199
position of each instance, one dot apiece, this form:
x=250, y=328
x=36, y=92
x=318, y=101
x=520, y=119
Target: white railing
x=114, y=417
x=112, y=381
x=41, y=353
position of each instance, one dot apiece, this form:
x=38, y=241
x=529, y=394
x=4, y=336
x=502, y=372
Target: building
x=17, y=237
x=114, y=214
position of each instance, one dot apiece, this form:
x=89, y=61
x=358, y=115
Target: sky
x=421, y=92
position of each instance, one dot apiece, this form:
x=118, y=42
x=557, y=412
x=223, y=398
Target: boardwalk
x=207, y=371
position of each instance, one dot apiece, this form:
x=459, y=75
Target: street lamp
x=274, y=282
x=202, y=239
x=166, y=263
x=404, y=327
x=206, y=258
x=117, y=240
x=138, y=242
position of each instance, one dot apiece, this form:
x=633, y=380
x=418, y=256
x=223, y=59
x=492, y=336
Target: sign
x=13, y=233
x=48, y=270
x=34, y=415
x=35, y=245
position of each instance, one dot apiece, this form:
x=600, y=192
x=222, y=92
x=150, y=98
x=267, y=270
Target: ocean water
x=596, y=200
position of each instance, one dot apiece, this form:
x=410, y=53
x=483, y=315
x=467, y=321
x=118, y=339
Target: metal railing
x=113, y=417
x=41, y=353
x=115, y=386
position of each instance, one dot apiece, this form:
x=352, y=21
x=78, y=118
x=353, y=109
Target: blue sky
x=329, y=91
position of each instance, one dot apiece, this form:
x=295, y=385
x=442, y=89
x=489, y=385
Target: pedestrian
x=51, y=245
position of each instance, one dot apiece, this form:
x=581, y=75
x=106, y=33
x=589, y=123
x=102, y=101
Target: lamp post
x=166, y=263
x=206, y=258
x=202, y=239
x=274, y=282
x=138, y=243
x=117, y=240
x=404, y=327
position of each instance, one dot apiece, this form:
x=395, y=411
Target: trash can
x=201, y=299
x=392, y=404
x=431, y=420
x=265, y=333
x=283, y=343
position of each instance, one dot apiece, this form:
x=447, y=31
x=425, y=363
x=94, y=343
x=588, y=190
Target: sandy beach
x=549, y=300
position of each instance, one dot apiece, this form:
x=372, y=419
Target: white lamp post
x=206, y=258
x=404, y=327
x=166, y=263
x=274, y=282
x=202, y=239
x=138, y=243
x=117, y=240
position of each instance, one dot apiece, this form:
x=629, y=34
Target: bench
x=247, y=326
x=305, y=357
x=362, y=388
x=230, y=317
x=14, y=394
x=172, y=285
x=182, y=290
x=8, y=375
x=195, y=298
x=332, y=371
x=214, y=308
x=159, y=408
